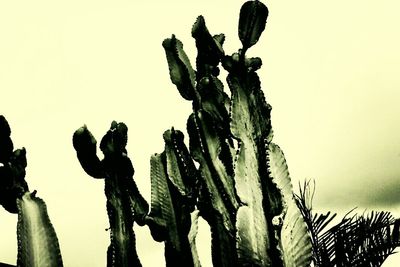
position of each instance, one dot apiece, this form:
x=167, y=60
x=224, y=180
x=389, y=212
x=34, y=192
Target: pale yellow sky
x=331, y=74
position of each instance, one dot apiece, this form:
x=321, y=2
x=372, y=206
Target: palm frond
x=357, y=240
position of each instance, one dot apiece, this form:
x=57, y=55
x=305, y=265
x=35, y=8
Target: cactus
x=124, y=202
x=174, y=193
x=37, y=239
x=245, y=188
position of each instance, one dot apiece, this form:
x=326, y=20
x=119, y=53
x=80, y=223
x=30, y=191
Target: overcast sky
x=330, y=72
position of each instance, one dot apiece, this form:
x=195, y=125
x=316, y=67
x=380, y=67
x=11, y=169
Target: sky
x=330, y=72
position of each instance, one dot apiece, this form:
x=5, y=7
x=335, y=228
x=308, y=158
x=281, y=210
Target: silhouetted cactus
x=124, y=202
x=37, y=240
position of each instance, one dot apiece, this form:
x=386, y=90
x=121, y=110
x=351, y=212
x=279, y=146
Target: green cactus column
x=124, y=202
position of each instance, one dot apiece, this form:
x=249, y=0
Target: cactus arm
x=209, y=50
x=170, y=215
x=295, y=241
x=252, y=18
x=172, y=162
x=162, y=212
x=85, y=146
x=37, y=240
x=173, y=178
x=180, y=70
x=181, y=170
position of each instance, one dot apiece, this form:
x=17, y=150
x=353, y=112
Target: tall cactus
x=245, y=189
x=124, y=202
x=37, y=240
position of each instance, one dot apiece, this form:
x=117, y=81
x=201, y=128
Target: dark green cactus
x=245, y=187
x=37, y=239
x=124, y=202
x=173, y=198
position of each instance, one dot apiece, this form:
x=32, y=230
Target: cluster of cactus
x=232, y=174
x=242, y=186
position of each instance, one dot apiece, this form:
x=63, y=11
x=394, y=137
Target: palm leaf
x=365, y=240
